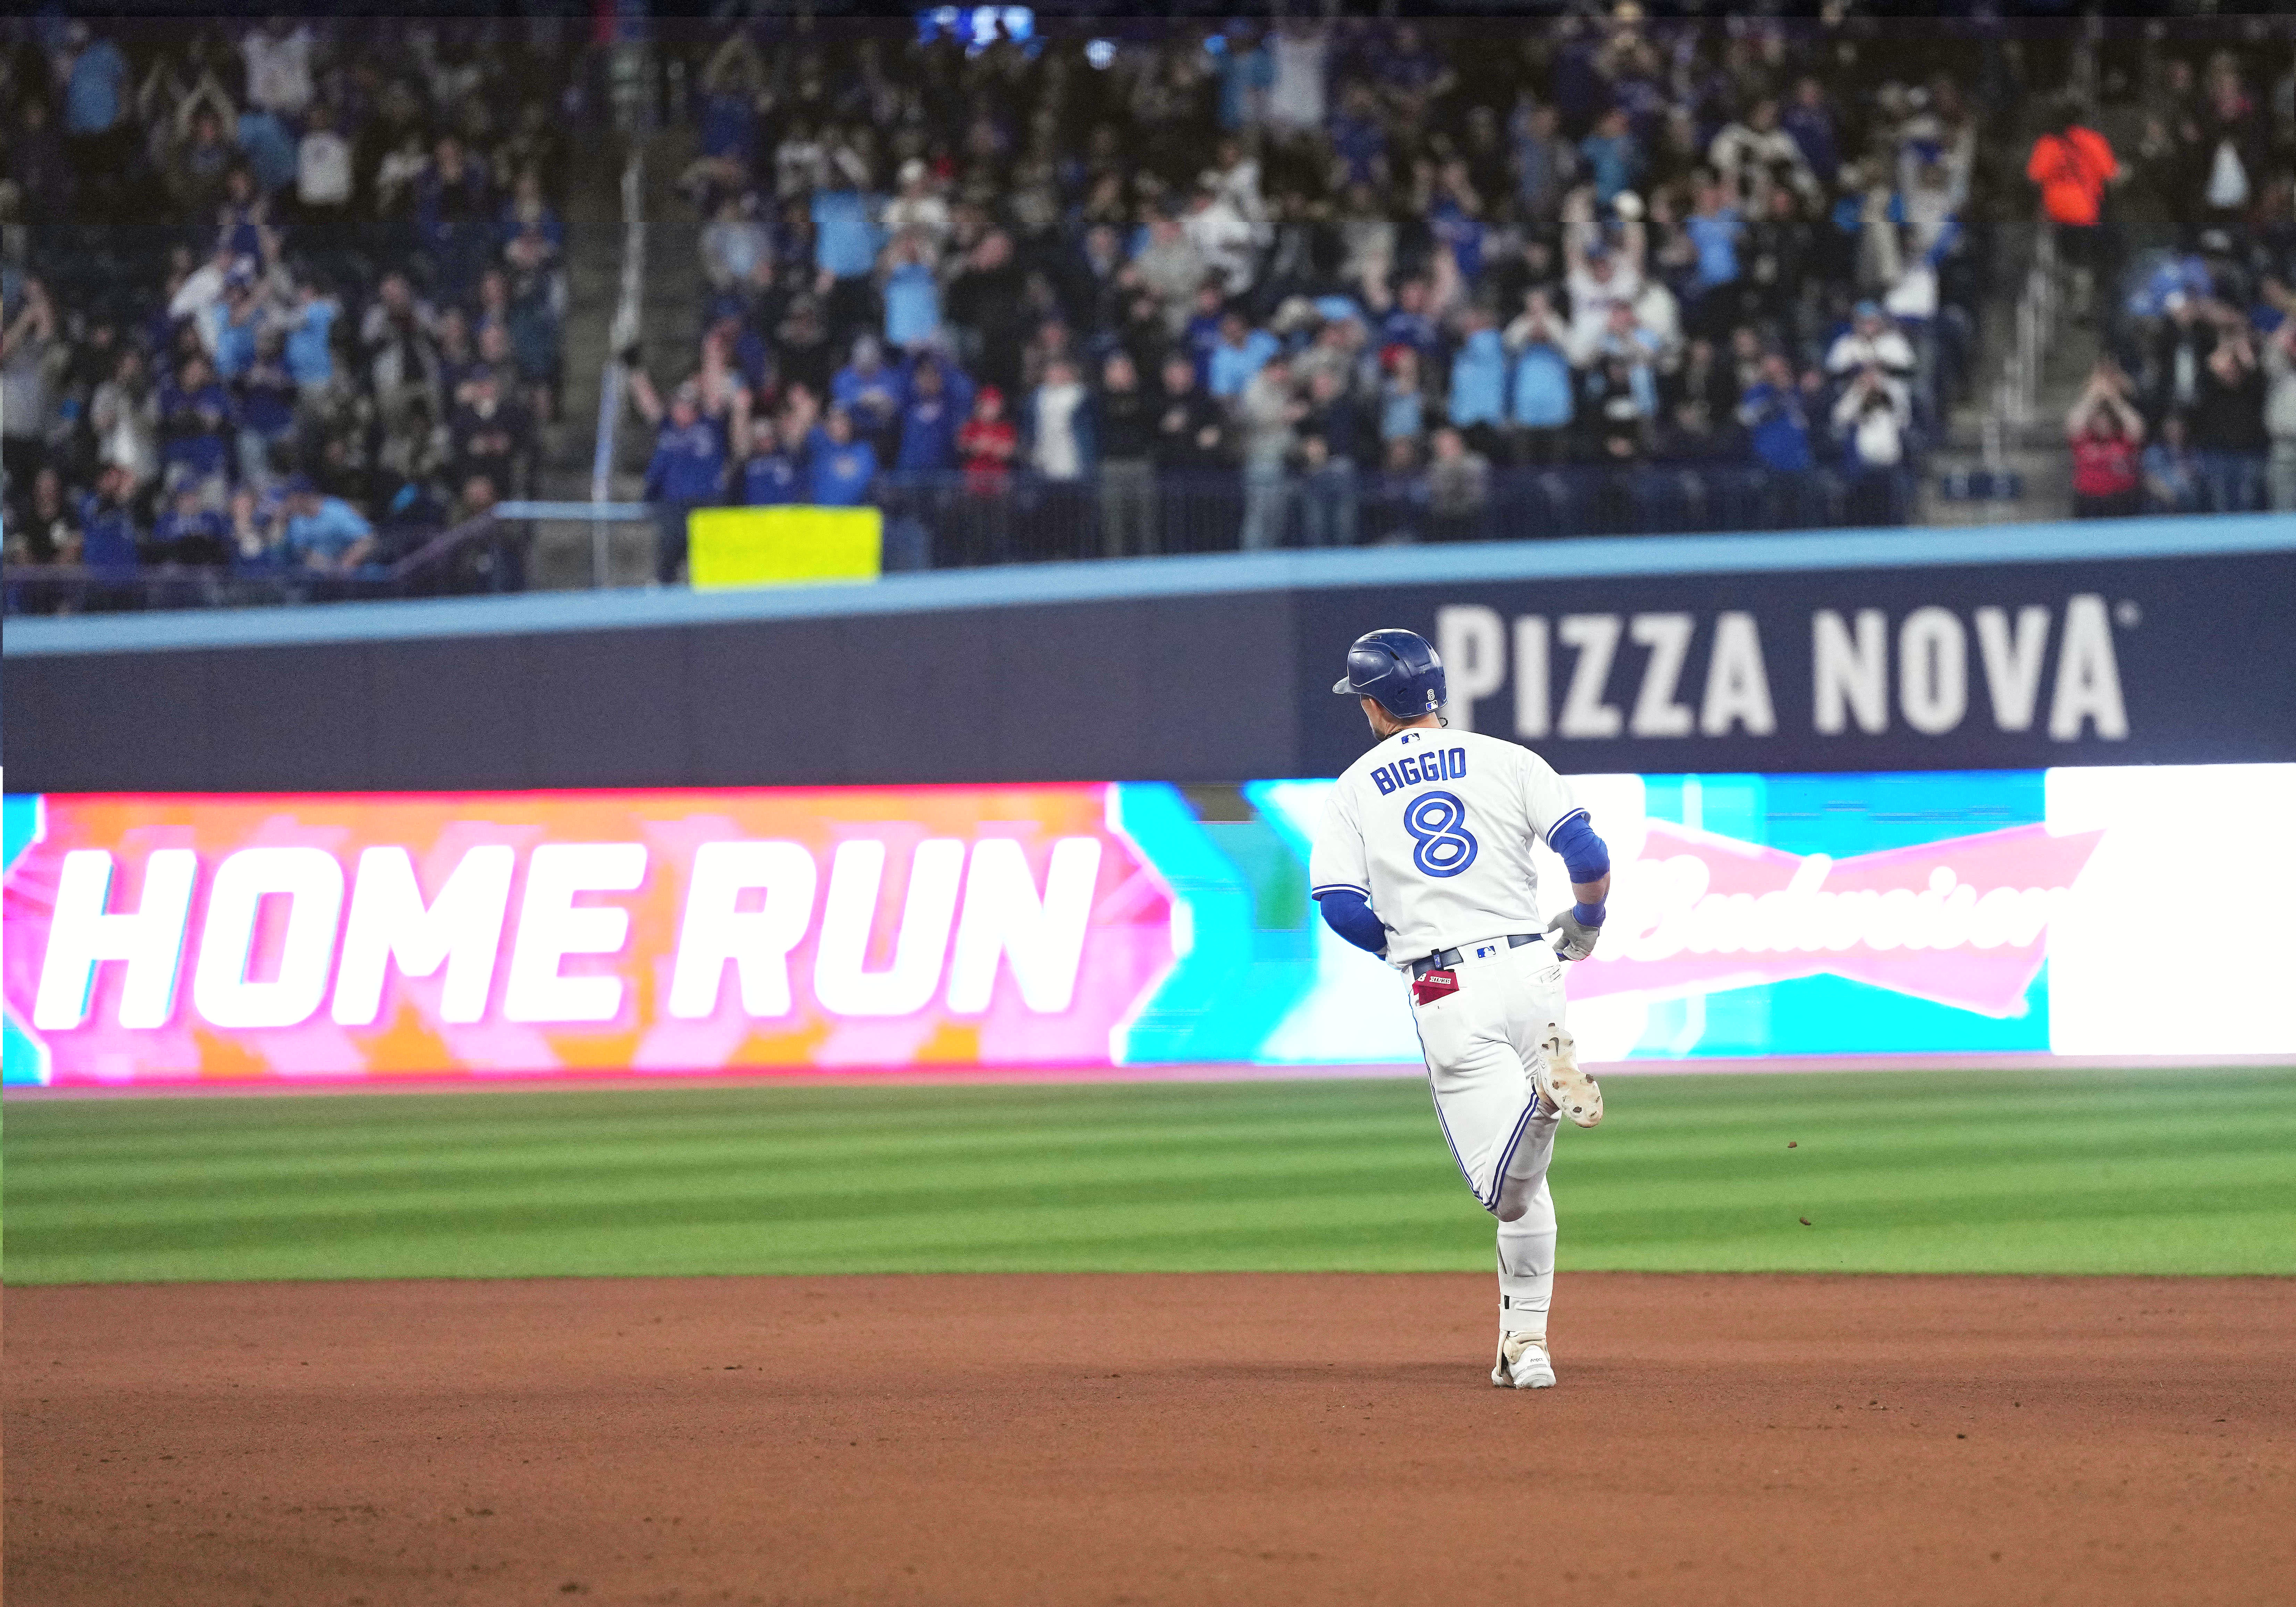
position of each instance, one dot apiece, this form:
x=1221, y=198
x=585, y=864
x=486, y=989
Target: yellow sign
x=784, y=546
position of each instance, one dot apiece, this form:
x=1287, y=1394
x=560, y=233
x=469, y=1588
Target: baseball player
x=1423, y=858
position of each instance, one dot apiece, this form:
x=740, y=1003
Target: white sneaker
x=1566, y=1089
x=1523, y=1363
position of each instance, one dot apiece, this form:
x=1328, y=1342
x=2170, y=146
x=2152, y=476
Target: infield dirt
x=1183, y=1439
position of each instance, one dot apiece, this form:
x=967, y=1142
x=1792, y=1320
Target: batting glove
x=1578, y=938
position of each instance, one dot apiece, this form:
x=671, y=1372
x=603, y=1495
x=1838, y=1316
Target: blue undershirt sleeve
x=1349, y=913
x=1583, y=854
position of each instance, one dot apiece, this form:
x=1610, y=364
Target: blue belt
x=1446, y=958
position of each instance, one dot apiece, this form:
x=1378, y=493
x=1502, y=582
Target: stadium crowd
x=1193, y=285
x=1382, y=278
x=274, y=299
x=2174, y=207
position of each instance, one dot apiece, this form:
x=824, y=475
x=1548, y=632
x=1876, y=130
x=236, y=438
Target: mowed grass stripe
x=1709, y=1157
x=305, y=1137
x=299, y=1137
x=2033, y=1172
x=1232, y=1166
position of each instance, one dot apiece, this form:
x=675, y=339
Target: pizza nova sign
x=2037, y=671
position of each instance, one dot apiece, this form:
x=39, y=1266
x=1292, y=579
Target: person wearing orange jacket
x=2072, y=163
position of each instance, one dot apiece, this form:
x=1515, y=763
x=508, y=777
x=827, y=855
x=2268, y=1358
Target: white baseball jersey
x=1435, y=828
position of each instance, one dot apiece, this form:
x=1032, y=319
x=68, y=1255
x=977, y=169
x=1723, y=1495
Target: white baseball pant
x=1482, y=1048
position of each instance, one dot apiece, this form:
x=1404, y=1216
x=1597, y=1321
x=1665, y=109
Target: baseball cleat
x=1566, y=1089
x=1523, y=1363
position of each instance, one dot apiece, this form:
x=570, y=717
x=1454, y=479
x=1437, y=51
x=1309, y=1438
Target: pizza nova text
x=1571, y=675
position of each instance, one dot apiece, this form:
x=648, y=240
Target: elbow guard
x=1349, y=913
x=1584, y=855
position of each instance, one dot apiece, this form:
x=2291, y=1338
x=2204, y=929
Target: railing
x=622, y=334
x=945, y=521
x=478, y=555
x=2017, y=395
x=952, y=521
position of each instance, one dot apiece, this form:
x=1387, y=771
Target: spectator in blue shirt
x=108, y=544
x=869, y=389
x=842, y=467
x=196, y=421
x=456, y=215
x=1478, y=375
x=528, y=216
x=1540, y=405
x=1246, y=69
x=1358, y=137
x=269, y=148
x=1455, y=222
x=2175, y=481
x=253, y=527
x=266, y=397
x=845, y=240
x=845, y=254
x=1773, y=416
x=771, y=474
x=310, y=334
x=1241, y=353
x=1715, y=228
x=452, y=191
x=1808, y=122
x=1611, y=155
x=1402, y=406
x=93, y=91
x=1202, y=332
x=930, y=421
x=729, y=126
x=1407, y=322
x=245, y=216
x=233, y=325
x=192, y=533
x=688, y=466
x=686, y=471
x=323, y=533
x=912, y=293
x=1545, y=163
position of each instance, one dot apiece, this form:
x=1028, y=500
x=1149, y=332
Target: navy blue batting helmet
x=1397, y=670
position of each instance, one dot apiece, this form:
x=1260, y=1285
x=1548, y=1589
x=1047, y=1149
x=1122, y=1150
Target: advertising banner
x=1936, y=914
x=2098, y=641
x=784, y=546
x=163, y=938
x=1960, y=667
x=1117, y=929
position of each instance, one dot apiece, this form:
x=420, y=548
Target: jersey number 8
x=1441, y=845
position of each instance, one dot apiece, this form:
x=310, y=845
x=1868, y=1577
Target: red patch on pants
x=1433, y=985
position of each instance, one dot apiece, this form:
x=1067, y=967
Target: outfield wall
x=1111, y=929
x=2029, y=647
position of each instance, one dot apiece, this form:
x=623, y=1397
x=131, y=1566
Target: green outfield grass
x=2052, y=1171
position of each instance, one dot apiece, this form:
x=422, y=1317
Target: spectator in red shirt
x=986, y=444
x=2106, y=432
x=985, y=447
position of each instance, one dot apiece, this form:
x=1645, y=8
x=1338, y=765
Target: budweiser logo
x=1963, y=922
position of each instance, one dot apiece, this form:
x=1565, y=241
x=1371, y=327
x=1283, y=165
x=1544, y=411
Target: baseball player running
x=1423, y=858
